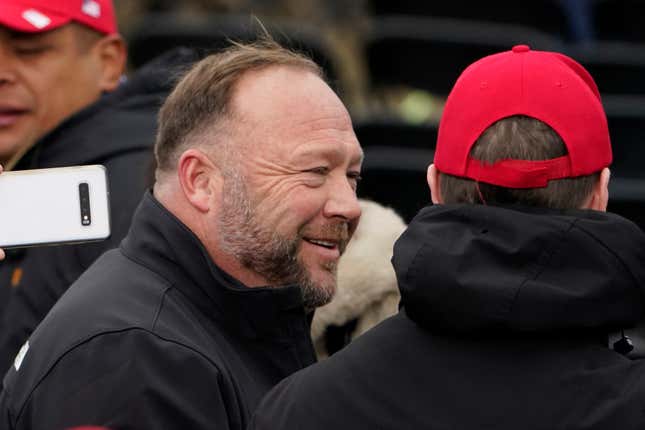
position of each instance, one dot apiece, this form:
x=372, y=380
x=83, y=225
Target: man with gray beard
x=204, y=306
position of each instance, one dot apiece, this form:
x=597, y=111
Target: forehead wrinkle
x=307, y=123
x=332, y=122
x=324, y=130
x=312, y=149
x=281, y=109
x=306, y=118
x=318, y=149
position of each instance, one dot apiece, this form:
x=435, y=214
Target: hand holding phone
x=54, y=206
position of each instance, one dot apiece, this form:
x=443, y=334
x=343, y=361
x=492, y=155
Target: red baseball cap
x=36, y=16
x=547, y=86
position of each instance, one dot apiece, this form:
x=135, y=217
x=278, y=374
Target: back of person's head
x=201, y=101
x=522, y=127
x=56, y=58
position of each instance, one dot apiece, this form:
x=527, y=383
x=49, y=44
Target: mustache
x=338, y=232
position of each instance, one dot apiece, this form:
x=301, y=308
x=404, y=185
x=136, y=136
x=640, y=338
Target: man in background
x=63, y=103
x=510, y=284
x=205, y=305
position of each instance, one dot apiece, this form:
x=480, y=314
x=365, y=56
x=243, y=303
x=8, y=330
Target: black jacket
x=155, y=336
x=504, y=323
x=118, y=131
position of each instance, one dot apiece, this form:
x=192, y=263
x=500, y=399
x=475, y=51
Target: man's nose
x=7, y=71
x=342, y=201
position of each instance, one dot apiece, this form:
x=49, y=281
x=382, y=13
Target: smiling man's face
x=44, y=78
x=289, y=212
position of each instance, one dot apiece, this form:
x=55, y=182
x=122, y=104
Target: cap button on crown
x=521, y=48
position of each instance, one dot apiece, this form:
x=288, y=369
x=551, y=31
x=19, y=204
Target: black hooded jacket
x=155, y=336
x=504, y=323
x=118, y=131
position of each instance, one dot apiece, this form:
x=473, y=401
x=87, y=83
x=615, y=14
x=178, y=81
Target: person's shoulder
x=115, y=294
x=115, y=288
x=107, y=375
x=304, y=399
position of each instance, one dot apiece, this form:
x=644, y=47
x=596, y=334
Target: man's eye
x=319, y=170
x=355, y=176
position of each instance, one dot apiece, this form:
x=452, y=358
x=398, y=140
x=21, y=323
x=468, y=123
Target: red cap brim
x=29, y=19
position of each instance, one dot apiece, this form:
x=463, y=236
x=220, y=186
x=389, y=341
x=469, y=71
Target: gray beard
x=264, y=251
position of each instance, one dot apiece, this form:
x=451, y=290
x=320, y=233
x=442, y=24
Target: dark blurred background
x=394, y=61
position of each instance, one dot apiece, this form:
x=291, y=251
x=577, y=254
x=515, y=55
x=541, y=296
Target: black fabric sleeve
x=129, y=380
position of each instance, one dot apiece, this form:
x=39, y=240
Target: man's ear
x=111, y=52
x=435, y=186
x=600, y=193
x=199, y=179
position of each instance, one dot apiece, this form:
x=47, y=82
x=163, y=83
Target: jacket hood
x=482, y=269
x=119, y=122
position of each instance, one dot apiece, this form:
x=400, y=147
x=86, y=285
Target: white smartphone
x=54, y=206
